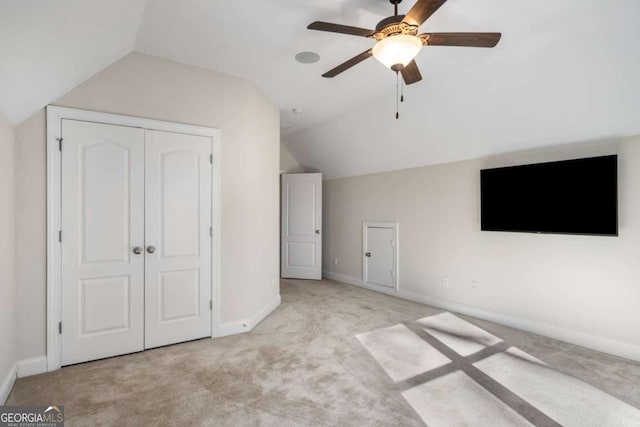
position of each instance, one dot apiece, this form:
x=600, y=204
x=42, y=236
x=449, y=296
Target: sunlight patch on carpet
x=401, y=353
x=566, y=399
x=457, y=400
x=459, y=335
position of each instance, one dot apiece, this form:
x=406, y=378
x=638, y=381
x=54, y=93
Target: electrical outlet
x=335, y=261
x=445, y=282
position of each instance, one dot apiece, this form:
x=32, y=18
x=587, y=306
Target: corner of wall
x=247, y=325
x=288, y=163
x=7, y=385
x=7, y=258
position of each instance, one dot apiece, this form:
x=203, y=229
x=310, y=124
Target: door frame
x=396, y=254
x=55, y=115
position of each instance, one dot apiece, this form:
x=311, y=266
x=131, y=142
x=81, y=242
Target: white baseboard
x=594, y=342
x=358, y=282
x=241, y=326
x=7, y=385
x=38, y=365
x=31, y=366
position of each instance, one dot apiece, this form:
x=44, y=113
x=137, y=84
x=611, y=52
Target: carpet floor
x=326, y=357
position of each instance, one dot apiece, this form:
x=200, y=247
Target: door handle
x=151, y=249
x=137, y=250
x=368, y=254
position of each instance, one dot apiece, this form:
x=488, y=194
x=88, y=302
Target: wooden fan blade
x=350, y=63
x=422, y=10
x=342, y=29
x=464, y=39
x=411, y=73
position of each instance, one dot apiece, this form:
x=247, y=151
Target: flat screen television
x=568, y=197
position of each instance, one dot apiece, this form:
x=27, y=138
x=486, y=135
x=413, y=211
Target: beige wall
x=7, y=278
x=144, y=86
x=287, y=162
x=582, y=289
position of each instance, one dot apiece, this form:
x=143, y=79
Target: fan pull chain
x=397, y=93
x=402, y=90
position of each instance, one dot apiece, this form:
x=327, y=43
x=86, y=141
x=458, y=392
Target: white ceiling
x=258, y=39
x=565, y=70
x=48, y=47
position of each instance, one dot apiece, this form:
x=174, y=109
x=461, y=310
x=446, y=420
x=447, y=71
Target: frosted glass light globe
x=397, y=50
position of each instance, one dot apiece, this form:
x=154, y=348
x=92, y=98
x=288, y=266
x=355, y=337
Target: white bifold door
x=136, y=248
x=301, y=212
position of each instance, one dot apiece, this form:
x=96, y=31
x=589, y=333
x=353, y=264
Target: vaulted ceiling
x=565, y=70
x=48, y=47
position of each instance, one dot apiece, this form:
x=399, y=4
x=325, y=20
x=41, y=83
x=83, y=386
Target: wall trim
x=7, y=385
x=31, y=366
x=593, y=342
x=246, y=325
x=358, y=282
x=55, y=115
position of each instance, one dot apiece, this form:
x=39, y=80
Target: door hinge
x=59, y=327
x=210, y=231
x=60, y=143
x=211, y=158
x=60, y=236
x=211, y=305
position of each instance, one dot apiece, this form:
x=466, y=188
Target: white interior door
x=178, y=242
x=380, y=254
x=102, y=222
x=301, y=256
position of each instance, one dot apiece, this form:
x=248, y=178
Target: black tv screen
x=569, y=197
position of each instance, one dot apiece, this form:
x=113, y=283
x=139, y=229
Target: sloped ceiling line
x=564, y=71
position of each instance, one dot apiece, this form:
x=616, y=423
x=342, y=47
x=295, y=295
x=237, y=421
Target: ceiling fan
x=398, y=41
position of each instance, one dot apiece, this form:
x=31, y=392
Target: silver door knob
x=317, y=231
x=137, y=250
x=368, y=254
x=151, y=249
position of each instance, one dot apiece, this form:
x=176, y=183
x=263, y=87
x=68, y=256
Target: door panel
x=105, y=305
x=302, y=208
x=178, y=218
x=179, y=295
x=301, y=254
x=180, y=193
x=380, y=258
x=105, y=202
x=102, y=220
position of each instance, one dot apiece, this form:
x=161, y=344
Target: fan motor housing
x=391, y=20
x=392, y=26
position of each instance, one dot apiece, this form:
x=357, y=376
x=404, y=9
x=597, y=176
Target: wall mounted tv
x=568, y=197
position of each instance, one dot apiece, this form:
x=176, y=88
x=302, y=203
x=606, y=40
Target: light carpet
x=301, y=366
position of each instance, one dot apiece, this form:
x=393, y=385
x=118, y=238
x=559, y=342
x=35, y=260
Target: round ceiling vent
x=307, y=57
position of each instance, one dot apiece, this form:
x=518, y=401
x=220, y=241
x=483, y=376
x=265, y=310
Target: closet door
x=178, y=242
x=102, y=240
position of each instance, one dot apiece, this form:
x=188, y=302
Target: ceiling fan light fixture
x=396, y=52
